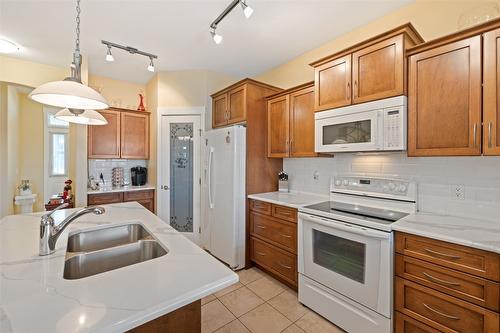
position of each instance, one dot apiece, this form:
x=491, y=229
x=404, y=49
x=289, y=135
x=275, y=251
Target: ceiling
x=177, y=31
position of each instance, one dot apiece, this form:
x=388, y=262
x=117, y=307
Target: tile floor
x=259, y=304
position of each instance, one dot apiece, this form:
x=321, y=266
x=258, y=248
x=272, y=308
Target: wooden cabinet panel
x=281, y=234
x=149, y=204
x=491, y=93
x=278, y=127
x=219, y=112
x=444, y=112
x=237, y=105
x=104, y=140
x=377, y=70
x=134, y=135
x=284, y=213
x=405, y=324
x=279, y=262
x=462, y=258
x=138, y=195
x=302, y=123
x=260, y=206
x=105, y=198
x=333, y=84
x=441, y=311
x=464, y=286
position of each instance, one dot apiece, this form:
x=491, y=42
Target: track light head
x=151, y=66
x=109, y=56
x=216, y=37
x=247, y=10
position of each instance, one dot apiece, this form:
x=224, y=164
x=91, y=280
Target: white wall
x=436, y=178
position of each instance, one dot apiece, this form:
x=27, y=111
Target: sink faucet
x=49, y=232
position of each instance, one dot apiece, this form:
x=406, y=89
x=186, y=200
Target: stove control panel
x=374, y=186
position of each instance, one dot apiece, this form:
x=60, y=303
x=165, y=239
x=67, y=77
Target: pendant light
x=78, y=100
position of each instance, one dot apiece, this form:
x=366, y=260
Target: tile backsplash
x=96, y=167
x=437, y=179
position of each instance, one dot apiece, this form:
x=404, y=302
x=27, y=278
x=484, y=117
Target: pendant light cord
x=76, y=74
x=78, y=11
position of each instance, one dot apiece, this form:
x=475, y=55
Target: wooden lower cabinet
x=444, y=287
x=144, y=197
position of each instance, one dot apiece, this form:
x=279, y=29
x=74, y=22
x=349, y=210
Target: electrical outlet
x=458, y=192
x=316, y=175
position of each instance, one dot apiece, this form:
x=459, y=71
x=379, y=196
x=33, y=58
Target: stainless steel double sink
x=97, y=251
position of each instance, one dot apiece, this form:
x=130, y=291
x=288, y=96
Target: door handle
x=348, y=90
x=475, y=136
x=490, y=145
x=435, y=279
x=442, y=254
x=260, y=226
x=285, y=266
x=165, y=187
x=355, y=88
x=440, y=313
x=286, y=236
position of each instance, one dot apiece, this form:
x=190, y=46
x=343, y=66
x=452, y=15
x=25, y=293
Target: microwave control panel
x=395, y=129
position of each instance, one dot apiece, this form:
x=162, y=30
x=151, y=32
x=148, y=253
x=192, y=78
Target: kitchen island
x=34, y=296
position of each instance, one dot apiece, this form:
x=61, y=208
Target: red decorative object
x=141, y=104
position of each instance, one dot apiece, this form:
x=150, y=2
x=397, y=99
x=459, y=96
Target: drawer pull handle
x=442, y=254
x=286, y=236
x=260, y=253
x=435, y=279
x=440, y=313
x=285, y=266
x=260, y=226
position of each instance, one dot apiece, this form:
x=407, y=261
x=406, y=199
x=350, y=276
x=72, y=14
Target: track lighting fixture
x=131, y=50
x=247, y=11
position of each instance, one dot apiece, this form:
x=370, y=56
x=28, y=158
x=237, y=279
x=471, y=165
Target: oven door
x=352, y=260
x=361, y=131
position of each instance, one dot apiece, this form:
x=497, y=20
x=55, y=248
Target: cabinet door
x=134, y=135
x=444, y=100
x=302, y=123
x=219, y=111
x=378, y=70
x=332, y=82
x=491, y=91
x=278, y=127
x=237, y=105
x=104, y=140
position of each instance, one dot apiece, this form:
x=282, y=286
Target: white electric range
x=346, y=251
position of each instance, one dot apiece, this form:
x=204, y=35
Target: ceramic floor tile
x=214, y=315
x=288, y=304
x=234, y=327
x=241, y=301
x=266, y=288
x=314, y=323
x=293, y=329
x=207, y=299
x=250, y=275
x=229, y=289
x=265, y=319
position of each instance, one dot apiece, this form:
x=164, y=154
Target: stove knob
x=346, y=182
x=338, y=182
x=392, y=187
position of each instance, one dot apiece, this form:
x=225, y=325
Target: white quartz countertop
x=479, y=234
x=34, y=297
x=290, y=199
x=121, y=189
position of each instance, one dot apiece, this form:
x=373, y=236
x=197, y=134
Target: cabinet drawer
x=105, y=198
x=462, y=258
x=405, y=324
x=441, y=311
x=281, y=234
x=260, y=206
x=464, y=286
x=285, y=213
x=274, y=259
x=138, y=195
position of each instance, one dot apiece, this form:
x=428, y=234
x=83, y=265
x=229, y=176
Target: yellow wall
x=13, y=161
x=431, y=19
x=118, y=93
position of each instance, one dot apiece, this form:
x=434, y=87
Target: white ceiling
x=177, y=31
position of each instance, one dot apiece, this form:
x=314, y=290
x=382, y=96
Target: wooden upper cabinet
x=302, y=123
x=333, y=81
x=444, y=111
x=134, y=135
x=237, y=109
x=219, y=112
x=377, y=70
x=491, y=93
x=278, y=122
x=104, y=140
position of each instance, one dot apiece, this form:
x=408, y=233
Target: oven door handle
x=354, y=229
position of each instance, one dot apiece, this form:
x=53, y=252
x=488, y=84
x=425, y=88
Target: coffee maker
x=139, y=176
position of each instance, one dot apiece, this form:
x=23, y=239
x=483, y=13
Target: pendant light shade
x=69, y=94
x=87, y=117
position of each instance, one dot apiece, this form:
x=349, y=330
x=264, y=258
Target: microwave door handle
x=348, y=228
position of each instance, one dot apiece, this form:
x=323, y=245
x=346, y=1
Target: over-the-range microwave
x=372, y=126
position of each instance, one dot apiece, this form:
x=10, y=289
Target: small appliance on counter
x=283, y=181
x=139, y=176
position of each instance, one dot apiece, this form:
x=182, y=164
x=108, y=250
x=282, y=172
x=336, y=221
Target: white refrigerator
x=223, y=230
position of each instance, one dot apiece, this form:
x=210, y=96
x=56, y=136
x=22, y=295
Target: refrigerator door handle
x=210, y=158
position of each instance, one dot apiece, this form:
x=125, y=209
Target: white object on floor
x=26, y=202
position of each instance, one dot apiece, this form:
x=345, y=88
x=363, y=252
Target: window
x=58, y=154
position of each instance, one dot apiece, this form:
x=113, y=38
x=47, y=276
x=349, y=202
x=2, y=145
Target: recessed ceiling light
x=109, y=55
x=7, y=46
x=151, y=66
x=247, y=10
x=216, y=37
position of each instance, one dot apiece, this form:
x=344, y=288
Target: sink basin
x=94, y=240
x=92, y=263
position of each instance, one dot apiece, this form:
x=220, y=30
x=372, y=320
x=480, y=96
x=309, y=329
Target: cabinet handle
x=286, y=236
x=440, y=313
x=490, y=145
x=355, y=88
x=435, y=279
x=285, y=266
x=475, y=132
x=260, y=226
x=442, y=254
x=348, y=90
x=291, y=146
x=260, y=253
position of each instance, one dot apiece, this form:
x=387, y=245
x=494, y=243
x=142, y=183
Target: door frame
x=161, y=208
